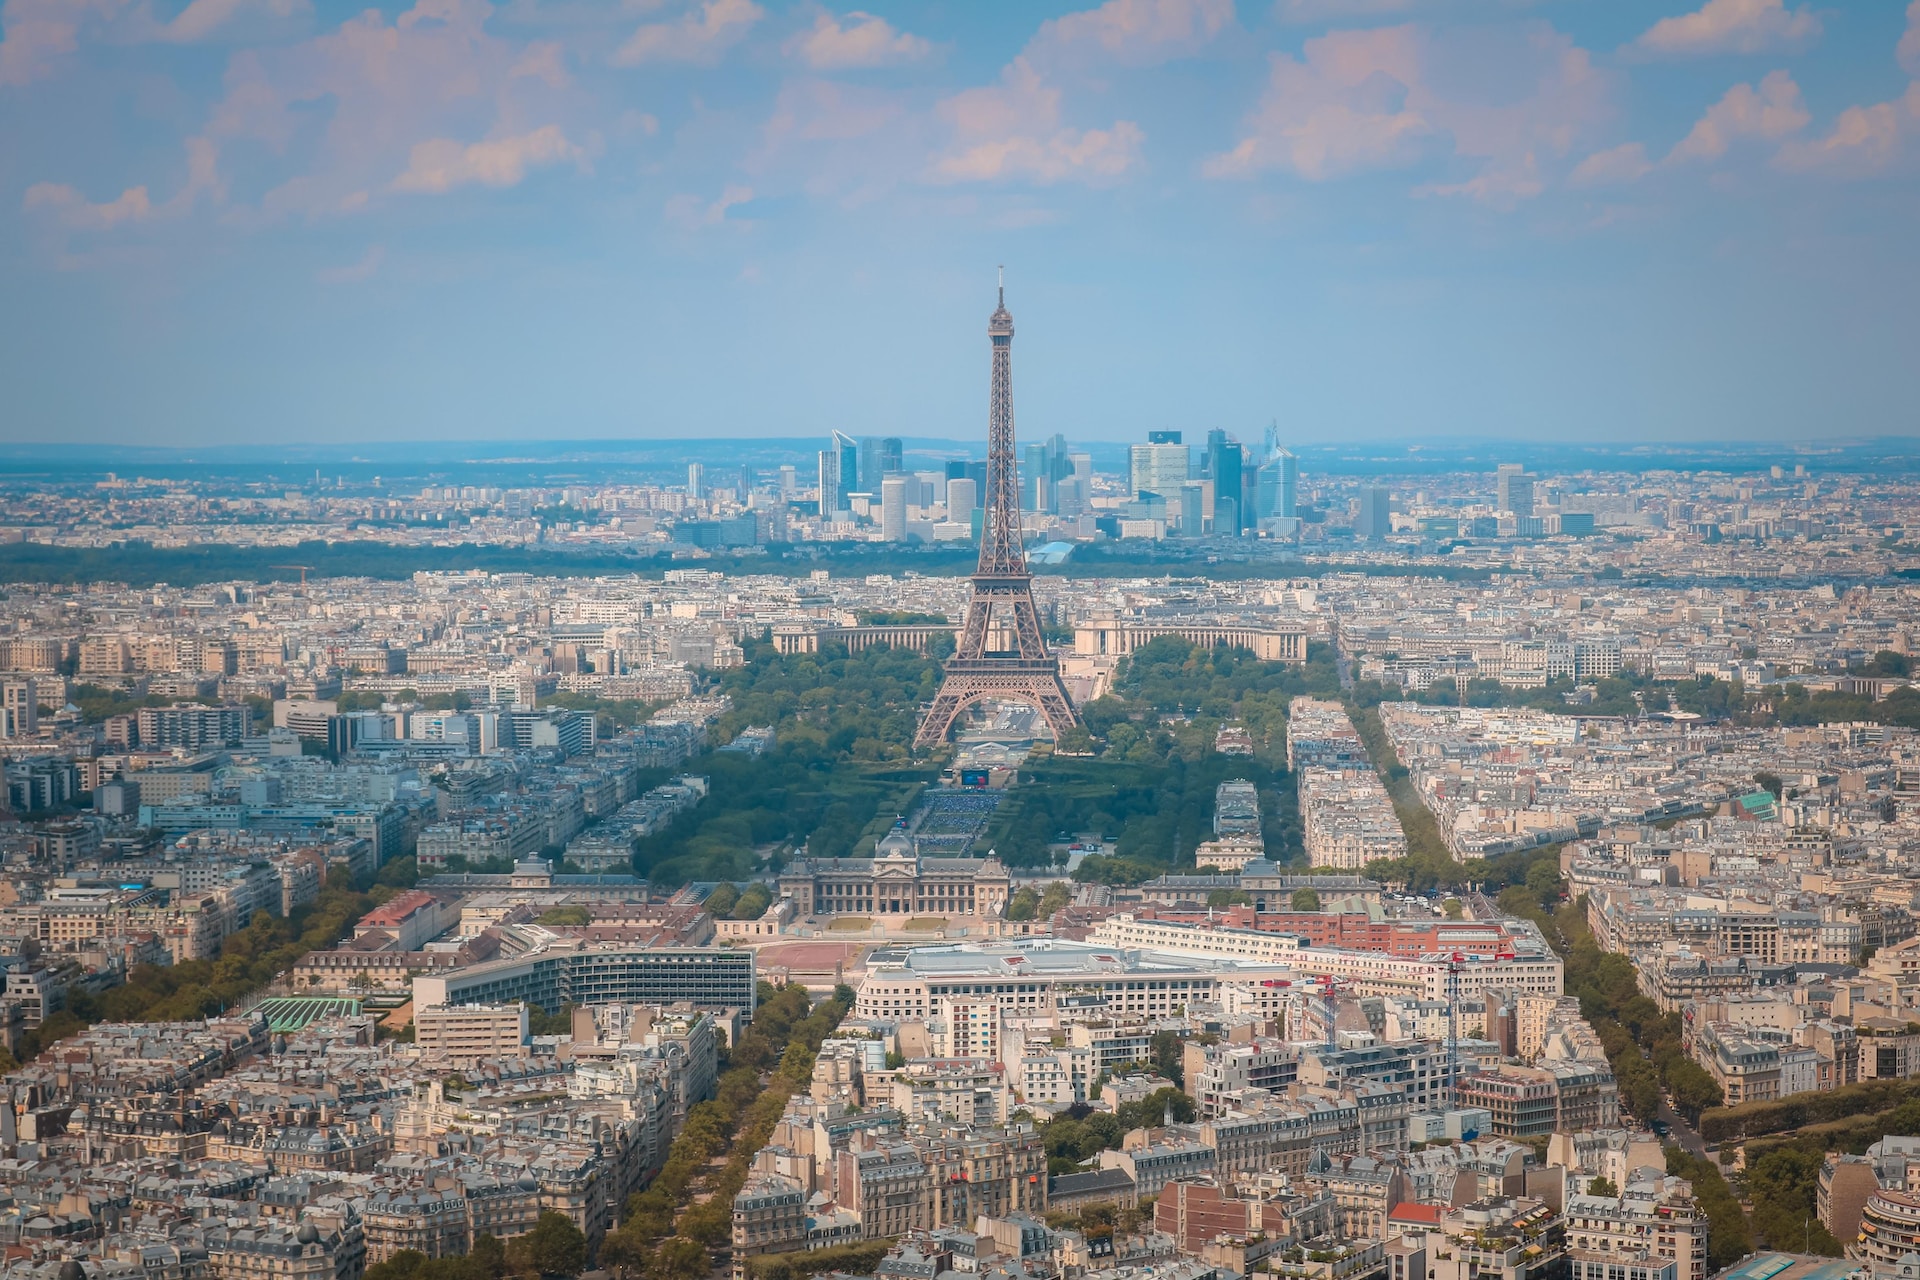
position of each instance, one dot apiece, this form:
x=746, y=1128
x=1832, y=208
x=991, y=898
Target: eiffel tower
x=1001, y=585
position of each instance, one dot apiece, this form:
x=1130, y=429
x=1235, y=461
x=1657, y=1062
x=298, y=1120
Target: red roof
x=1413, y=1212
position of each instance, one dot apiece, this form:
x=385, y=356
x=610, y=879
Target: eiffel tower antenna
x=1001, y=582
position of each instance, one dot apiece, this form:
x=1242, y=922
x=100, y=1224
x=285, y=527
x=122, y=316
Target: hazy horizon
x=300, y=222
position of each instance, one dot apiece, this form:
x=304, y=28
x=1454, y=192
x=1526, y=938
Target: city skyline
x=1657, y=222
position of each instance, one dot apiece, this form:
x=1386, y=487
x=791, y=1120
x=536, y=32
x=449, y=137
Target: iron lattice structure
x=1002, y=587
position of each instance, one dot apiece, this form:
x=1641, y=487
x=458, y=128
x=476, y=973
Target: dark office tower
x=1225, y=465
x=956, y=468
x=1163, y=437
x=746, y=481
x=1033, y=479
x=879, y=458
x=1376, y=519
x=1002, y=585
x=977, y=472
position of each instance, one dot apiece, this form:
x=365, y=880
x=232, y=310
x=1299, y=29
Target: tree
x=1024, y=904
x=1453, y=909
x=1769, y=782
x=1692, y=1089
x=554, y=1247
x=1306, y=898
x=1543, y=882
x=1169, y=1056
x=680, y=1259
x=720, y=902
x=1602, y=1187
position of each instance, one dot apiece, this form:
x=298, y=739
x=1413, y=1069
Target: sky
x=294, y=221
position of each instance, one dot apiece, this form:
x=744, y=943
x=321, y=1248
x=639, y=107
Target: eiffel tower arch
x=1002, y=601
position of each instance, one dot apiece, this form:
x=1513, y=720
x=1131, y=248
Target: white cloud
x=700, y=35
x=1361, y=100
x=1013, y=130
x=1136, y=32
x=858, y=40
x=1731, y=26
x=1770, y=112
x=1614, y=166
x=1863, y=141
x=441, y=164
x=694, y=212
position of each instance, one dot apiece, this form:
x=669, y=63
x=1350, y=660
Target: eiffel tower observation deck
x=1002, y=586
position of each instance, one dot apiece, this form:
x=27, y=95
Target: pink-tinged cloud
x=1501, y=188
x=204, y=19
x=331, y=120
x=354, y=272
x=857, y=40
x=1612, y=167
x=441, y=164
x=1768, y=113
x=694, y=212
x=1361, y=100
x=1136, y=32
x=39, y=34
x=70, y=209
x=700, y=35
x=1731, y=26
x=1013, y=131
x=1864, y=140
x=1302, y=11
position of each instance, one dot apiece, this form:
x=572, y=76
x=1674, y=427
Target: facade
x=897, y=882
x=466, y=1034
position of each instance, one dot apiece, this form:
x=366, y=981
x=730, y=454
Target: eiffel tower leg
x=1026, y=628
x=939, y=718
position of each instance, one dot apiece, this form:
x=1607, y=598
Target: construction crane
x=301, y=567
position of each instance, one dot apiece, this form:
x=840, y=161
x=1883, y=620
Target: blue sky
x=266, y=220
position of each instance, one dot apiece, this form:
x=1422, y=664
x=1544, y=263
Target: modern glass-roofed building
x=291, y=1013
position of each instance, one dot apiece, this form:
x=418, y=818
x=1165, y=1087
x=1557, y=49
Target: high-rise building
x=789, y=481
x=1376, y=518
x=829, y=482
x=1191, y=517
x=1225, y=463
x=893, y=509
x=845, y=454
x=696, y=480
x=1514, y=489
x=1279, y=486
x=879, y=458
x=19, y=709
x=963, y=496
x=1159, y=466
x=746, y=481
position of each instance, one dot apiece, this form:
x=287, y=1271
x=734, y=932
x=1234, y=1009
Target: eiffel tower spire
x=1001, y=582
